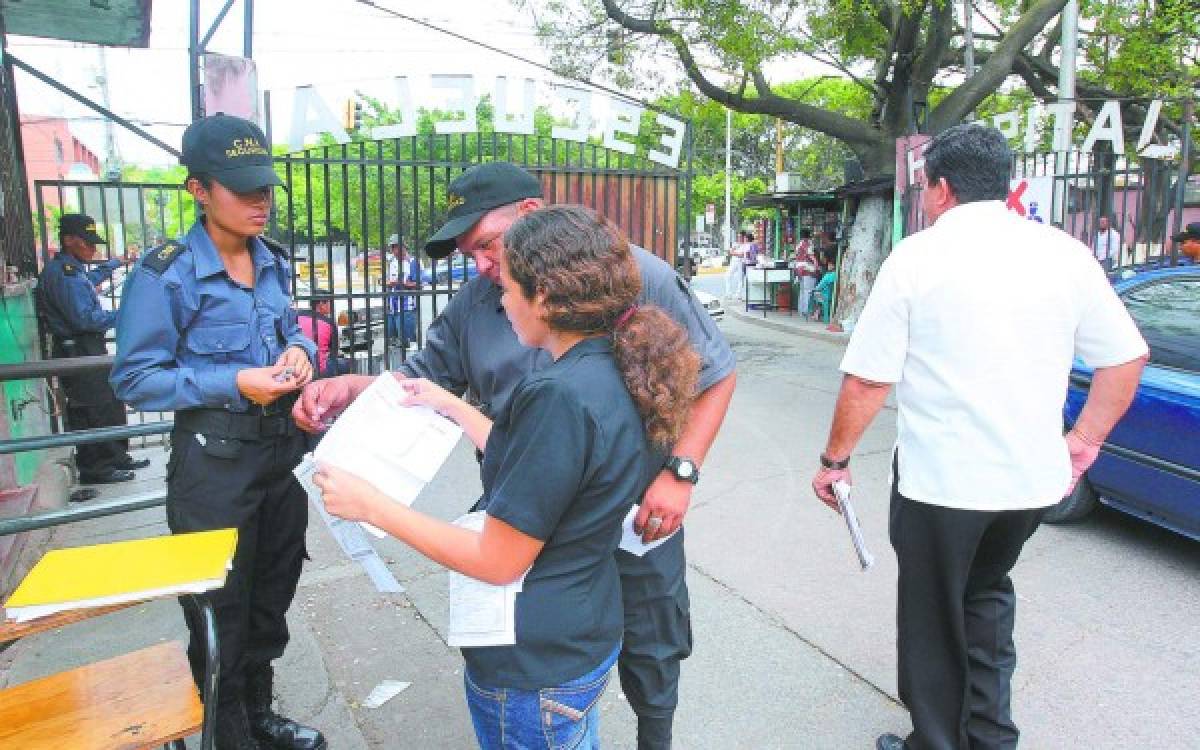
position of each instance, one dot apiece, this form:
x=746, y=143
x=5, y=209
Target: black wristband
x=829, y=463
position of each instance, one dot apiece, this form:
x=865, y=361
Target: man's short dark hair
x=974, y=159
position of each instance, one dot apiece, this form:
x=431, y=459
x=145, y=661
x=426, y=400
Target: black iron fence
x=1142, y=201
x=345, y=203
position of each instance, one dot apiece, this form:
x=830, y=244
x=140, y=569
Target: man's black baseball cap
x=232, y=151
x=475, y=192
x=80, y=225
x=1190, y=232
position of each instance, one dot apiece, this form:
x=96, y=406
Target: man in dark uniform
x=77, y=323
x=206, y=330
x=471, y=348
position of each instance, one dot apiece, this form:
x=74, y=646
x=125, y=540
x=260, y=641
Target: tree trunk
x=869, y=243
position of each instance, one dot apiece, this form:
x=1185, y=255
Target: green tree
x=905, y=57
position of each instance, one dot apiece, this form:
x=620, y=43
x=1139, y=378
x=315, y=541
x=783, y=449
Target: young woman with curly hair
x=578, y=445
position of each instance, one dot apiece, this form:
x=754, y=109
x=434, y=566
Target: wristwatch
x=684, y=469
x=829, y=463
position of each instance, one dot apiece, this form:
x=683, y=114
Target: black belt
x=233, y=425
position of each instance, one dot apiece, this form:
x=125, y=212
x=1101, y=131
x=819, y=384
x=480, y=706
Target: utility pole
x=1066, y=93
x=728, y=180
x=112, y=157
x=968, y=39
x=778, y=146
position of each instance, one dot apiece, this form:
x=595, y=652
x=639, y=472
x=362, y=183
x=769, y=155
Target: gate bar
x=62, y=516
x=45, y=368
x=81, y=437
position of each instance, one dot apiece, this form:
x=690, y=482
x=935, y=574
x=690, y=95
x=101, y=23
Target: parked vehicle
x=1150, y=465
x=454, y=269
x=711, y=303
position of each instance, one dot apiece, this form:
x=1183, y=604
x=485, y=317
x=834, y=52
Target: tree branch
x=844, y=128
x=955, y=107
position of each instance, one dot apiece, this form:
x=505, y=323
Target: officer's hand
x=346, y=495
x=262, y=385
x=297, y=359
x=321, y=403
x=428, y=393
x=663, y=507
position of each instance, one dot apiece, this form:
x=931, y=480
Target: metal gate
x=344, y=202
x=1144, y=201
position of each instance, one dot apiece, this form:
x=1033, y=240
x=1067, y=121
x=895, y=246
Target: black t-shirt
x=563, y=465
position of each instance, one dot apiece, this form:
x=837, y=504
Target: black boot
x=233, y=728
x=271, y=729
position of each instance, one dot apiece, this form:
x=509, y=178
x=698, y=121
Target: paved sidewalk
x=783, y=320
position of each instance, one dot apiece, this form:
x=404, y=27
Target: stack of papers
x=481, y=614
x=841, y=491
x=396, y=447
x=120, y=572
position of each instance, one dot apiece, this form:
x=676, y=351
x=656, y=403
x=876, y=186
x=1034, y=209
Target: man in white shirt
x=1107, y=246
x=980, y=368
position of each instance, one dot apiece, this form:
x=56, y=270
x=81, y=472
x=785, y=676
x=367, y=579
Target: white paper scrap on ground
x=384, y=692
x=631, y=541
x=347, y=534
x=841, y=490
x=395, y=447
x=481, y=614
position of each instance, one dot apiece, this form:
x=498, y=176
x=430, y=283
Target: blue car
x=455, y=273
x=1150, y=465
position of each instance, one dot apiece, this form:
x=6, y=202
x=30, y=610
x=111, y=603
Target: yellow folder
x=103, y=574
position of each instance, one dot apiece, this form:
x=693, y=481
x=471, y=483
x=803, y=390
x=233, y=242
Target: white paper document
x=349, y=536
x=481, y=614
x=631, y=541
x=841, y=490
x=397, y=448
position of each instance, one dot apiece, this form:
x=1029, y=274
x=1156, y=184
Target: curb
x=821, y=335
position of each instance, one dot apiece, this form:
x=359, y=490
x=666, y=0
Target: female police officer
x=577, y=444
x=205, y=330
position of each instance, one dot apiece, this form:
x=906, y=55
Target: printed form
x=396, y=447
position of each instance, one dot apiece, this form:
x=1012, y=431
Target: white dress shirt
x=1107, y=245
x=980, y=363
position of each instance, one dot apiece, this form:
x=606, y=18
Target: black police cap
x=80, y=225
x=230, y=150
x=475, y=192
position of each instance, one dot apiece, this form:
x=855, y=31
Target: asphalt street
x=794, y=646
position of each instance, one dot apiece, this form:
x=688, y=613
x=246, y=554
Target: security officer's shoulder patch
x=160, y=258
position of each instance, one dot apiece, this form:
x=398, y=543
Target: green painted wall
x=24, y=399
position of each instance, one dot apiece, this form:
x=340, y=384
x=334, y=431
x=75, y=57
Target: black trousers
x=92, y=403
x=658, y=636
x=955, y=615
x=248, y=485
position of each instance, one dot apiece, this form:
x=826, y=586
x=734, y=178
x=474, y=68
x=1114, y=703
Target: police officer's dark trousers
x=658, y=636
x=91, y=403
x=955, y=614
x=236, y=471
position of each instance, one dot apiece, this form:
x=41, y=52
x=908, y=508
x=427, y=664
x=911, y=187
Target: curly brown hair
x=591, y=282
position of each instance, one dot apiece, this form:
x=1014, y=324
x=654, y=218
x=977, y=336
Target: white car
x=711, y=303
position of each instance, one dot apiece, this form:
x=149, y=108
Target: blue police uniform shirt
x=102, y=272
x=183, y=334
x=69, y=297
x=563, y=464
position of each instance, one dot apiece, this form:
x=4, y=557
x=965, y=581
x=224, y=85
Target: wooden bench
x=143, y=699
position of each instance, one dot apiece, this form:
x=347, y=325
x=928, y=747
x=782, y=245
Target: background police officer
x=77, y=323
x=472, y=346
x=206, y=329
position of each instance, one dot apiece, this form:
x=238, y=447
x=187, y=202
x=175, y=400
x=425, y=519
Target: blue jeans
x=565, y=717
x=409, y=324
